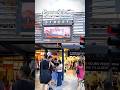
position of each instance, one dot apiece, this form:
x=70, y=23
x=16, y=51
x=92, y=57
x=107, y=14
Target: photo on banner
x=28, y=18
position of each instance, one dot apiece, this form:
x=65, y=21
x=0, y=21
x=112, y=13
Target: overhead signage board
x=101, y=66
x=58, y=22
x=57, y=32
x=74, y=52
x=58, y=14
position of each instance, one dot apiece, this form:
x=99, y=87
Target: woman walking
x=80, y=70
x=45, y=74
x=54, y=72
x=59, y=71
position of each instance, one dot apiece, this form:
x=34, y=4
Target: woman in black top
x=45, y=73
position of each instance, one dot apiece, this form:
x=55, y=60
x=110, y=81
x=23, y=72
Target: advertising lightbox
x=57, y=32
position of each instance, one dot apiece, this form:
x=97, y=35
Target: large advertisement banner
x=57, y=32
x=28, y=17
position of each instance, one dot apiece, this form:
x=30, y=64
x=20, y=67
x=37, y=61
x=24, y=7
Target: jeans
x=59, y=79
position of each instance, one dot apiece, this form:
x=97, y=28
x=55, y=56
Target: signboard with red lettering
x=57, y=32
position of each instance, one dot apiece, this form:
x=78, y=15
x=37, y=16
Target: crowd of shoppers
x=51, y=71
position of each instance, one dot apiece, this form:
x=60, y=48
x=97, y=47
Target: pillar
x=63, y=62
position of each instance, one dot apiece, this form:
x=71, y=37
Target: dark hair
x=25, y=69
x=80, y=62
x=57, y=64
x=99, y=83
x=59, y=61
x=55, y=59
x=49, y=57
x=45, y=55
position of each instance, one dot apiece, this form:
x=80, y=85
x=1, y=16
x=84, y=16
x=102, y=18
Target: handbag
x=77, y=71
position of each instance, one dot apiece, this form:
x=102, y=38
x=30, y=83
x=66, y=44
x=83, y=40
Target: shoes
x=50, y=88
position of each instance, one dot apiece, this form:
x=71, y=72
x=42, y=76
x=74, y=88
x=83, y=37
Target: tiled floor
x=69, y=83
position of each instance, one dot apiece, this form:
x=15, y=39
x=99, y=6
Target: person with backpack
x=80, y=71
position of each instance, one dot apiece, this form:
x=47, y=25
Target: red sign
x=82, y=39
x=29, y=20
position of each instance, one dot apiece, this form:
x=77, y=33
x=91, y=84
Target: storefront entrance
x=68, y=54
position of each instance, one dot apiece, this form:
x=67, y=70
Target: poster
x=28, y=17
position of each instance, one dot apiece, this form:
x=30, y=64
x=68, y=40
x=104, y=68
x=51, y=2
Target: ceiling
x=16, y=49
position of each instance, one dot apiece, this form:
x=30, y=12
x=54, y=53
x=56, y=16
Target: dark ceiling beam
x=42, y=46
x=13, y=48
x=39, y=46
x=28, y=1
x=19, y=42
x=3, y=53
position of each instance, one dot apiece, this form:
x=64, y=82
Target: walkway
x=70, y=82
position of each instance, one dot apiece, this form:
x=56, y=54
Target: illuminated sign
x=58, y=22
x=74, y=52
x=57, y=32
x=104, y=66
x=59, y=13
